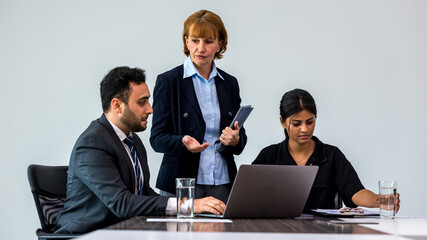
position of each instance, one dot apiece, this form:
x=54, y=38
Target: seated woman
x=336, y=174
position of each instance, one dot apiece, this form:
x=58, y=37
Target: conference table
x=304, y=227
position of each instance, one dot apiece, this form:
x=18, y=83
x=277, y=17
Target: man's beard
x=131, y=121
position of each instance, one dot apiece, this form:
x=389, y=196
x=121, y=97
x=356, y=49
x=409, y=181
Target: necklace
x=302, y=160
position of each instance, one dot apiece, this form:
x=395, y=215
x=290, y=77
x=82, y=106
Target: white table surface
x=399, y=228
x=402, y=226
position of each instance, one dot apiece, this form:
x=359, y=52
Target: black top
x=336, y=174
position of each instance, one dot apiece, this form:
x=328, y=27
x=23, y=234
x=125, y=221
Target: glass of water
x=185, y=197
x=388, y=198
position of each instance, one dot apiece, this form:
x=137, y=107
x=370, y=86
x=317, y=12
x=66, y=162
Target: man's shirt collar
x=119, y=132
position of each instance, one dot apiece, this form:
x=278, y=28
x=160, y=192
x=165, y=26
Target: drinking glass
x=185, y=197
x=387, y=198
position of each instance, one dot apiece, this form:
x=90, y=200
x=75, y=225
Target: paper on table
x=337, y=213
x=188, y=220
x=356, y=221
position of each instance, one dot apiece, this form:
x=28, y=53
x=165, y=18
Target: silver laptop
x=269, y=191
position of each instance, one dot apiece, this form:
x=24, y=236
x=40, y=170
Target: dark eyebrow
x=294, y=120
x=144, y=98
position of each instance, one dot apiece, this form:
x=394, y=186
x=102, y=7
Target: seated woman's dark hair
x=296, y=101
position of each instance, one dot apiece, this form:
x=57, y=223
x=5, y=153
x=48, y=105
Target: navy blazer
x=176, y=113
x=101, y=182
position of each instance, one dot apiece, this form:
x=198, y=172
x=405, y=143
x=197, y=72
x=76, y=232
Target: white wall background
x=365, y=63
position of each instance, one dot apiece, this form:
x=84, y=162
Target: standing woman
x=298, y=114
x=193, y=105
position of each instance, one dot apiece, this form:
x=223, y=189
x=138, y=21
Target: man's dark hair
x=116, y=84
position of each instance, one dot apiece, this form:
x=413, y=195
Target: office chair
x=337, y=201
x=48, y=185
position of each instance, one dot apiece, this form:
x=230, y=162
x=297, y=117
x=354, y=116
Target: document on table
x=337, y=213
x=188, y=220
x=356, y=221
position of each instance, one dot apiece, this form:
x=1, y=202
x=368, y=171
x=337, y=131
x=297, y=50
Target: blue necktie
x=129, y=142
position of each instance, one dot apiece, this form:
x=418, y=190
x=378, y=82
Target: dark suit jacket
x=176, y=112
x=101, y=182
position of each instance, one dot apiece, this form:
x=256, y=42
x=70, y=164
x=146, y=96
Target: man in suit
x=108, y=176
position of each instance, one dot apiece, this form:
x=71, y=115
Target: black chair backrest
x=337, y=201
x=48, y=185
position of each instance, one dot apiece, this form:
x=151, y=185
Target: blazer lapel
x=224, y=101
x=124, y=157
x=187, y=88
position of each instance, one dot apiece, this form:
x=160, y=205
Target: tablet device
x=240, y=117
